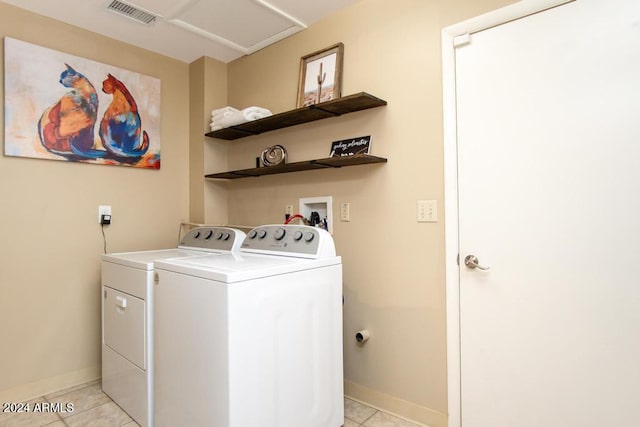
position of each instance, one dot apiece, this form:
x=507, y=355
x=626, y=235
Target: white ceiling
x=189, y=29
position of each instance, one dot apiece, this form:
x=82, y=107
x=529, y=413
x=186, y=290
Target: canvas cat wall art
x=53, y=110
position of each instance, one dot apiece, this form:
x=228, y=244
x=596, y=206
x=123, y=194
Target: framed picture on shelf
x=320, y=76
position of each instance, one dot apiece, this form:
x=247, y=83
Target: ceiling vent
x=132, y=12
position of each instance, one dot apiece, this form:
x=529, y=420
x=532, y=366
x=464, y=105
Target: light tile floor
x=358, y=414
x=93, y=408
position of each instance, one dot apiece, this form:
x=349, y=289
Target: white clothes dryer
x=253, y=338
x=127, y=316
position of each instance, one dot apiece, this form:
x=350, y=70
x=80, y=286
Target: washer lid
x=198, y=241
x=229, y=268
x=144, y=260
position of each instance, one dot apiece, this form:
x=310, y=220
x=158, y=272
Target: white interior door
x=548, y=131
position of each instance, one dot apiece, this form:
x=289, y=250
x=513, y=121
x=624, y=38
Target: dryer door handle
x=121, y=302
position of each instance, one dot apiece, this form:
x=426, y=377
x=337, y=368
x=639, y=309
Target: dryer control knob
x=253, y=234
x=226, y=236
x=262, y=234
x=280, y=232
x=219, y=236
x=209, y=234
x=297, y=235
x=308, y=236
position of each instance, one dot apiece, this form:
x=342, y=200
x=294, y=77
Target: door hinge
x=461, y=40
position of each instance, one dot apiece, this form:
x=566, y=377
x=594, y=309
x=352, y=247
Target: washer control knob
x=226, y=236
x=253, y=234
x=308, y=236
x=219, y=236
x=262, y=234
x=280, y=232
x=297, y=235
x=209, y=234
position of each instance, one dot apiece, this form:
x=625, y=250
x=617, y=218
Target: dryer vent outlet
x=362, y=336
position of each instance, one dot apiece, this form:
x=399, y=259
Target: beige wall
x=208, y=88
x=215, y=151
x=197, y=91
x=52, y=244
x=393, y=266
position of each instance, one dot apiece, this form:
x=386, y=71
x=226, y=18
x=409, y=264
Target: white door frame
x=449, y=36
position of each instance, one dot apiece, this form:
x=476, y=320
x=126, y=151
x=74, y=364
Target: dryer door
x=124, y=325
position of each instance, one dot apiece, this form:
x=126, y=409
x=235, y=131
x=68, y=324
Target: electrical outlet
x=103, y=210
x=427, y=211
x=344, y=212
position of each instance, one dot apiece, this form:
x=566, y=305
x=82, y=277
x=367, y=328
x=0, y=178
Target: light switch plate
x=427, y=211
x=345, y=213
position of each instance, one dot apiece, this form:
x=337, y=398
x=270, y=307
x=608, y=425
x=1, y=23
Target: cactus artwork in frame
x=320, y=76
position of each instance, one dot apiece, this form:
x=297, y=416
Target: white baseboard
x=395, y=406
x=35, y=389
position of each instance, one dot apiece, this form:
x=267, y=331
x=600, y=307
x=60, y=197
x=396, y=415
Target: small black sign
x=351, y=146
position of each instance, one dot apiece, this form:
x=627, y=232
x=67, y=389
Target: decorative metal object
x=272, y=156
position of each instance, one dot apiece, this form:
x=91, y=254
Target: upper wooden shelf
x=336, y=107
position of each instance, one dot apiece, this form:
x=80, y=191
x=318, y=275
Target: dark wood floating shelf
x=330, y=162
x=336, y=107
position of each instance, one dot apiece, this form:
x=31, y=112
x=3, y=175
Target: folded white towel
x=257, y=111
x=220, y=116
x=224, y=111
x=239, y=117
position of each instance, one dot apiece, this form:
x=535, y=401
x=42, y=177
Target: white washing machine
x=127, y=316
x=254, y=338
